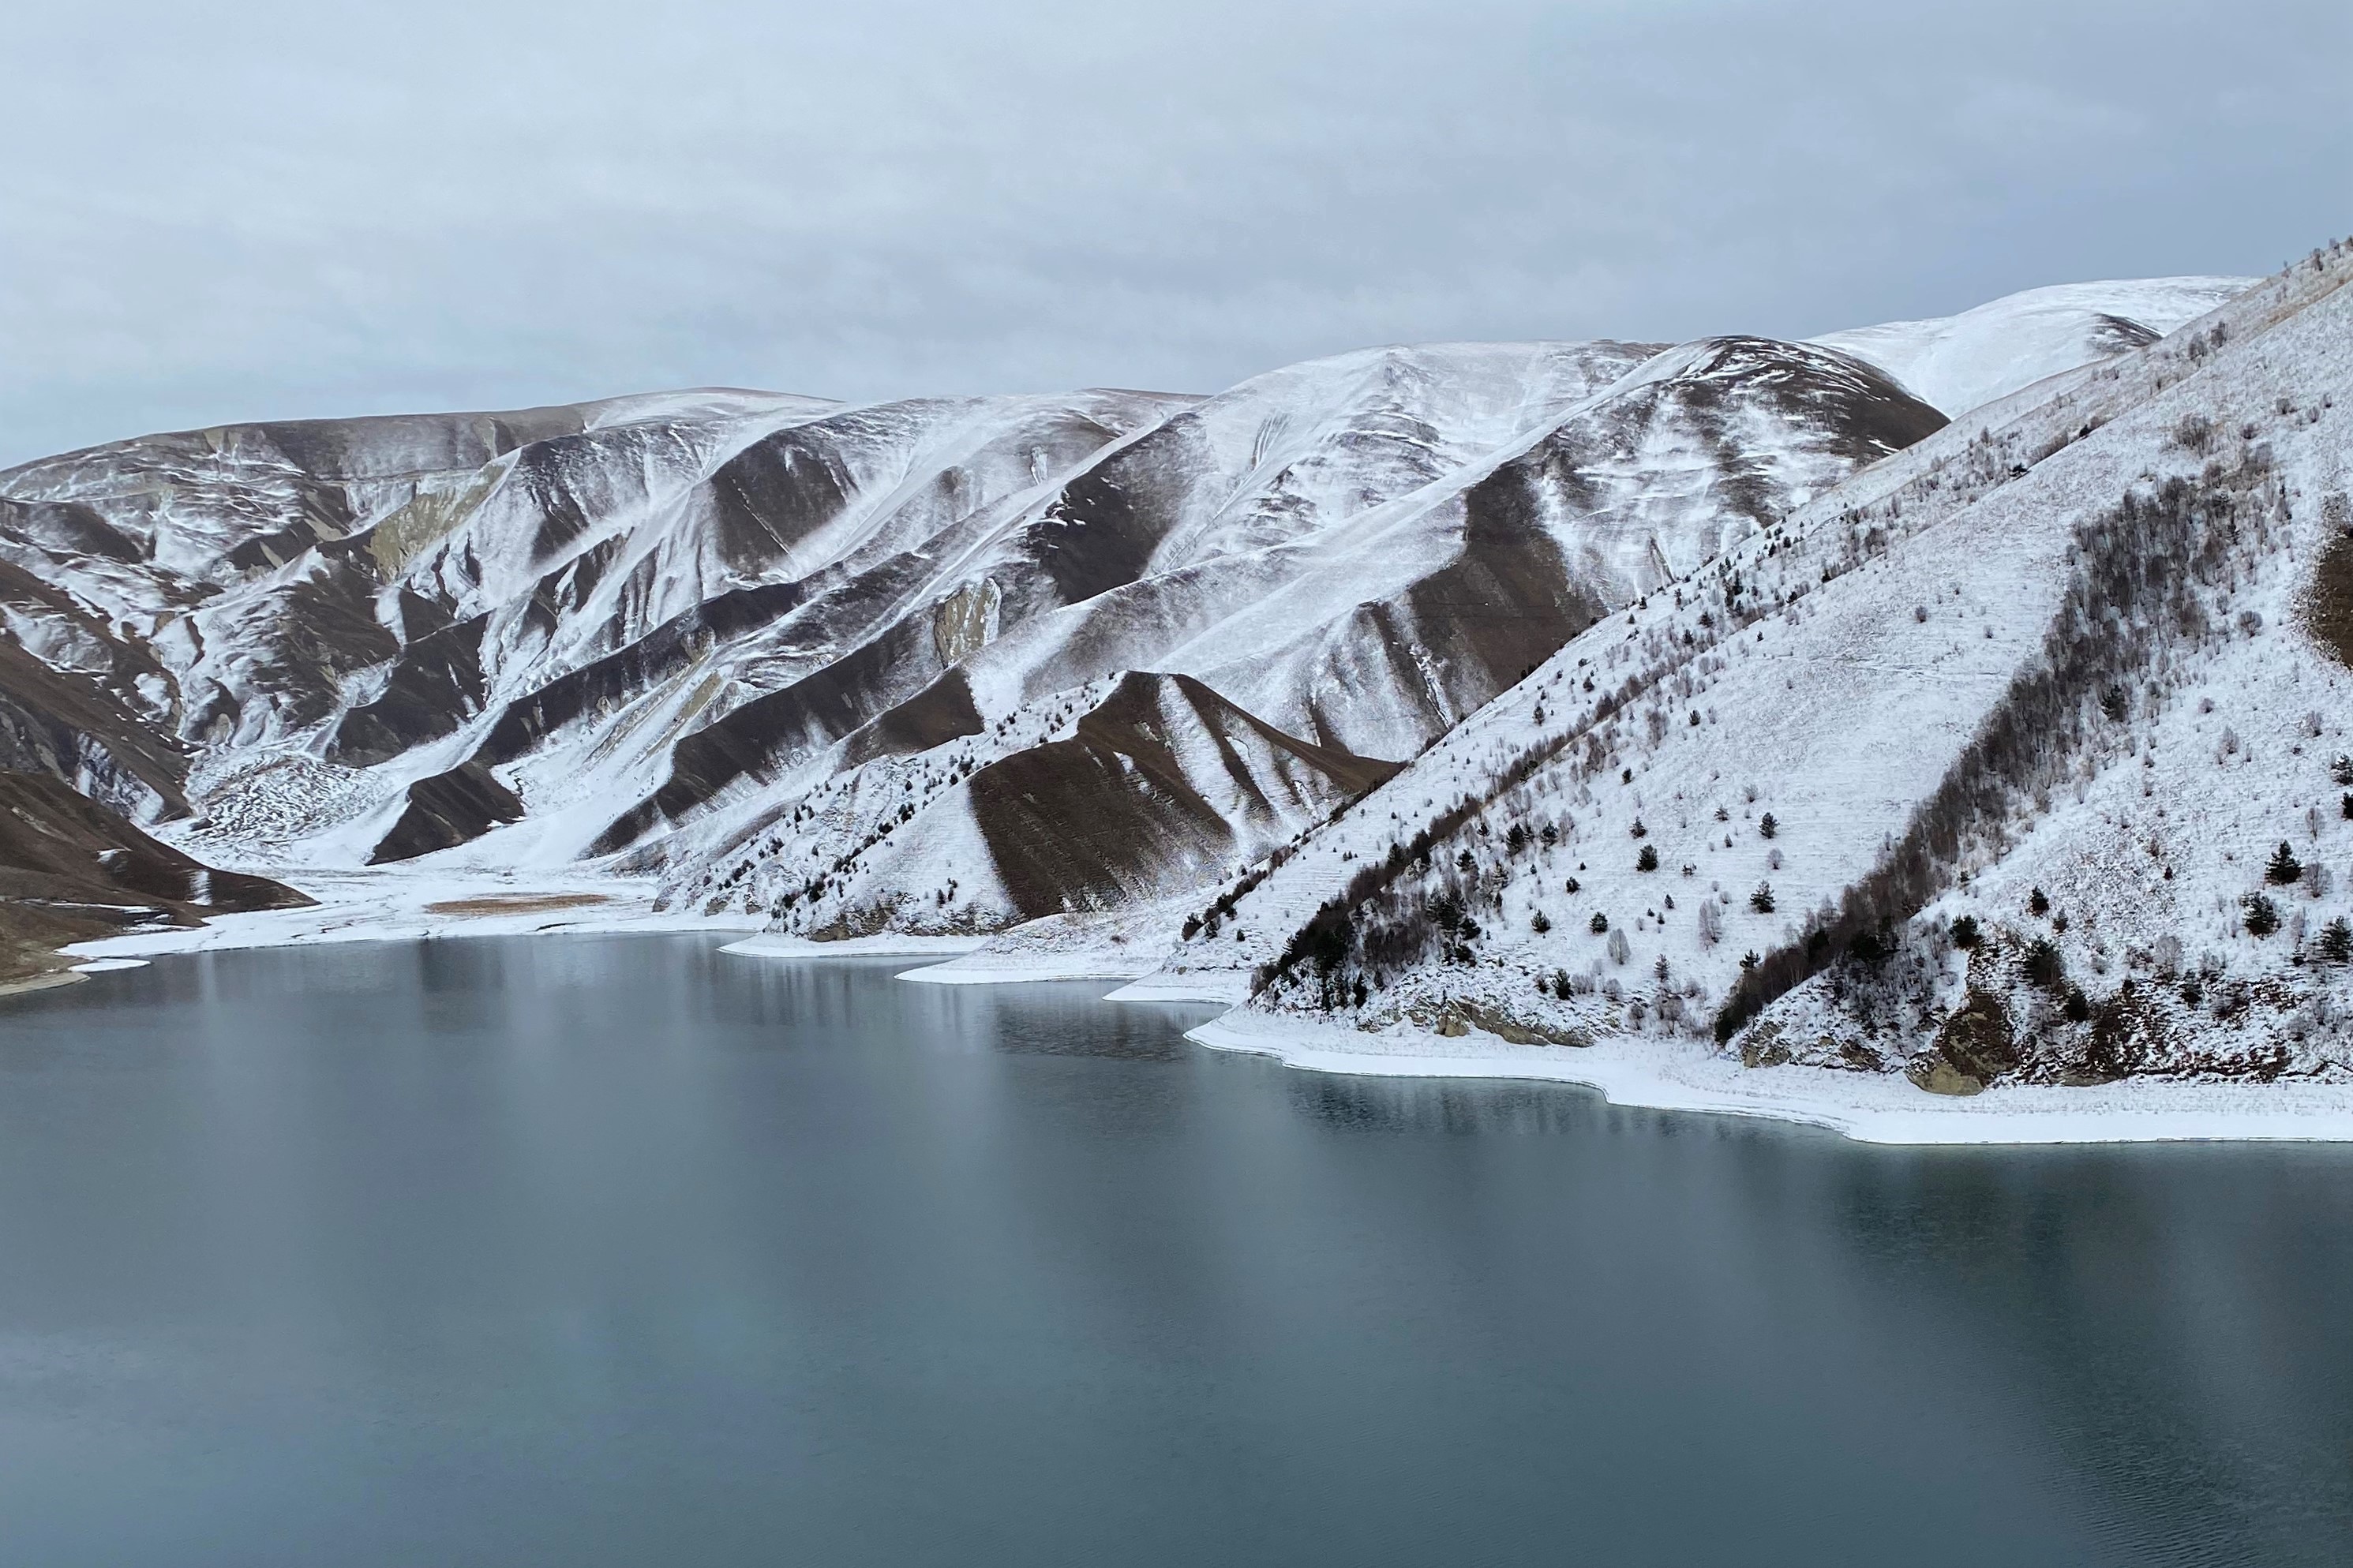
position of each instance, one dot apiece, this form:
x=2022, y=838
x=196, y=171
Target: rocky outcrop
x=1458, y=1016
x=1976, y=1046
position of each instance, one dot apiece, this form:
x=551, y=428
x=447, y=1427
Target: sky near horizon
x=277, y=209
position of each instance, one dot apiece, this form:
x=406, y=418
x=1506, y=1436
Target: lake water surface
x=615, y=1250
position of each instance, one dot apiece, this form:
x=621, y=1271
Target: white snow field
x=1963, y=361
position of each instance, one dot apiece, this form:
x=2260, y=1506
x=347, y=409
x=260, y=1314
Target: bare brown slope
x=68, y=727
x=71, y=869
x=446, y=810
x=1109, y=813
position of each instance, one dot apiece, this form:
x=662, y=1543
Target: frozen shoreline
x=396, y=906
x=1665, y=1076
x=769, y=944
x=393, y=905
x=982, y=968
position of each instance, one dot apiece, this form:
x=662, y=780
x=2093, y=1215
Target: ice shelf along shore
x=1868, y=1108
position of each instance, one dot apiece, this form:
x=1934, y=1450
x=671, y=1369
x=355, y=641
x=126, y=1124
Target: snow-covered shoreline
x=1869, y=1108
x=981, y=967
x=1660, y=1074
x=391, y=904
x=772, y=944
x=396, y=906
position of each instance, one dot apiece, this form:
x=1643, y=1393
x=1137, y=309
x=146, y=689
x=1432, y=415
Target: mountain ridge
x=938, y=666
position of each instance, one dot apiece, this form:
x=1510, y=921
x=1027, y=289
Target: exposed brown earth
x=71, y=869
x=515, y=903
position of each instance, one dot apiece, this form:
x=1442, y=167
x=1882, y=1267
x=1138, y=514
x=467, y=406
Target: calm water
x=615, y=1250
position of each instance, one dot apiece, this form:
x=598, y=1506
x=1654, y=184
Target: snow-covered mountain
x=1963, y=361
x=2025, y=754
x=951, y=664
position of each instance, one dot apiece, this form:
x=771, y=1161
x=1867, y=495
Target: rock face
x=1976, y=1046
x=943, y=663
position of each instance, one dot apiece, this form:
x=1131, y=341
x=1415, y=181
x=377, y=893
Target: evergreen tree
x=2335, y=943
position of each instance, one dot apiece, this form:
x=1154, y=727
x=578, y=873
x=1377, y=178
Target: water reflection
x=618, y=1249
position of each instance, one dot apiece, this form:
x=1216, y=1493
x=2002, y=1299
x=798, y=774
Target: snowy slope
x=2078, y=641
x=1960, y=362
x=832, y=659
x=1359, y=636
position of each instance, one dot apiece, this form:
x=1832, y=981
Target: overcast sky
x=229, y=211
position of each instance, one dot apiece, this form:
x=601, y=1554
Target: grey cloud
x=308, y=209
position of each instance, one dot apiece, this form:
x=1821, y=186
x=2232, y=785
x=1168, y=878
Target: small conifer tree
x=2336, y=943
